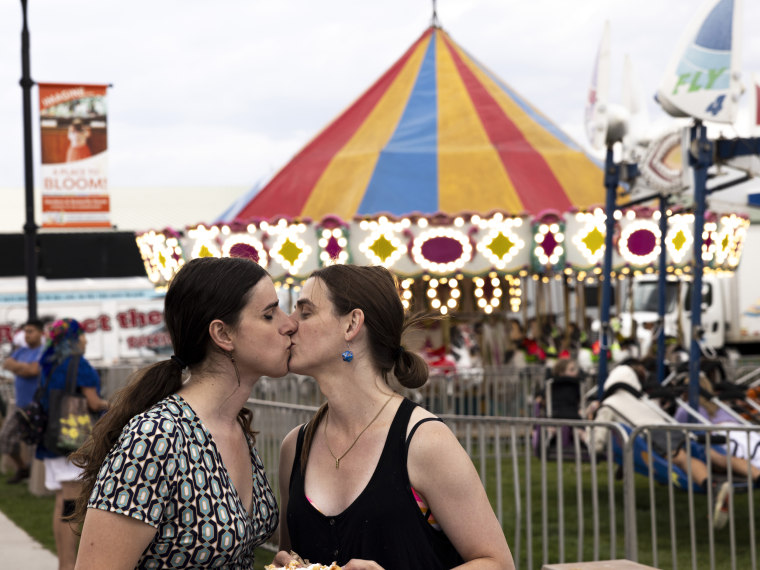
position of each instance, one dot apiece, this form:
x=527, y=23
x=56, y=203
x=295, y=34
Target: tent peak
x=434, y=22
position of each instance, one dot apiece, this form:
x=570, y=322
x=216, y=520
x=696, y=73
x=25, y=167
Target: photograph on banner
x=73, y=127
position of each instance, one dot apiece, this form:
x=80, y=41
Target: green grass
x=35, y=516
x=569, y=520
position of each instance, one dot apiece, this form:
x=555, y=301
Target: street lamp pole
x=30, y=227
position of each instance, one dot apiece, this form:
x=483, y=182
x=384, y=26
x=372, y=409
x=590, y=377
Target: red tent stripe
x=531, y=175
x=287, y=193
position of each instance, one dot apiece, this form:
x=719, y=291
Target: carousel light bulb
x=434, y=283
x=452, y=303
x=431, y=293
x=482, y=303
x=455, y=293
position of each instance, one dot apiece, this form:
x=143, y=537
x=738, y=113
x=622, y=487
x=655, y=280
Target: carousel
x=479, y=204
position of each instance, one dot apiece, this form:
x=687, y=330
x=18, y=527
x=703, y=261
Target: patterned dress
x=165, y=470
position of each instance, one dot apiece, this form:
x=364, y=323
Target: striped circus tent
x=444, y=174
x=438, y=132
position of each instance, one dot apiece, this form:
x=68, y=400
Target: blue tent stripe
x=405, y=178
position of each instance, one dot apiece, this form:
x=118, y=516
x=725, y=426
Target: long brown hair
x=203, y=290
x=374, y=290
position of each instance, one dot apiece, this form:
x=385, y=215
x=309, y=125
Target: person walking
x=64, y=353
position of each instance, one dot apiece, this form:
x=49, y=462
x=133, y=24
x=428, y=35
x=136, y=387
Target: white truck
x=123, y=317
x=730, y=305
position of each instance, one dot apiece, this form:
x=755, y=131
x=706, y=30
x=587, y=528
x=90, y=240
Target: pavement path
x=19, y=551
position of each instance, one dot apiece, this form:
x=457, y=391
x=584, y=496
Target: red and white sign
x=74, y=138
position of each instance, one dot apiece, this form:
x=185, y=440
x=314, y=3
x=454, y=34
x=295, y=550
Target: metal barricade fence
x=560, y=501
x=556, y=501
x=666, y=496
x=490, y=391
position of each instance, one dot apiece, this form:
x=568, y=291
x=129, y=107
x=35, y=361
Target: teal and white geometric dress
x=165, y=470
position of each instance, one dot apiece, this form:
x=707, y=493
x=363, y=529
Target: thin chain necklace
x=350, y=447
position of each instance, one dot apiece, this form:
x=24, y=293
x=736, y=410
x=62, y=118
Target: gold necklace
x=350, y=447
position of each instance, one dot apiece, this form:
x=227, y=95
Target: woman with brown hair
x=171, y=474
x=373, y=480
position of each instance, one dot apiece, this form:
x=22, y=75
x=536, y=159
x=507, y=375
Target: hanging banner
x=74, y=156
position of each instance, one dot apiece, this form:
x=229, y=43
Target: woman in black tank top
x=373, y=480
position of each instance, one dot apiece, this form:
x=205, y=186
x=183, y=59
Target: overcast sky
x=224, y=92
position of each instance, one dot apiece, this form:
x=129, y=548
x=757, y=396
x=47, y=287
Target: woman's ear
x=221, y=335
x=354, y=324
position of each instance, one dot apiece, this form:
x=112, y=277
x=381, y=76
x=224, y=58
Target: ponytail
x=148, y=386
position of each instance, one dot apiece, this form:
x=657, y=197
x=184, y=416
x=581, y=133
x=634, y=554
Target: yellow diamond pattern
x=594, y=240
x=290, y=251
x=678, y=240
x=382, y=248
x=204, y=252
x=500, y=245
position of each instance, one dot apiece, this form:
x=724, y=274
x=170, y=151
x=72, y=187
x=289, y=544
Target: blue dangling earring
x=347, y=355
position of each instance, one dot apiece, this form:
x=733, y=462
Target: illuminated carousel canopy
x=442, y=173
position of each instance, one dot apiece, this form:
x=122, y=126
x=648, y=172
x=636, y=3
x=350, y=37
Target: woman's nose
x=291, y=325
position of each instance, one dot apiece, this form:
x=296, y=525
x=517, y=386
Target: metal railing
x=559, y=500
x=501, y=392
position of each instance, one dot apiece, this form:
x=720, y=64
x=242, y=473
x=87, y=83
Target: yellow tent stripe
x=341, y=187
x=581, y=179
x=471, y=176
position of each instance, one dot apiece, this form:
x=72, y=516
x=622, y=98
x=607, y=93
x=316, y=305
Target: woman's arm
x=443, y=474
x=112, y=541
x=287, y=455
x=94, y=402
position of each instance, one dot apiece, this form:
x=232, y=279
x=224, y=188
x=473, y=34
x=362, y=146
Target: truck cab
x=642, y=305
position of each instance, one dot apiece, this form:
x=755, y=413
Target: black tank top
x=383, y=524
